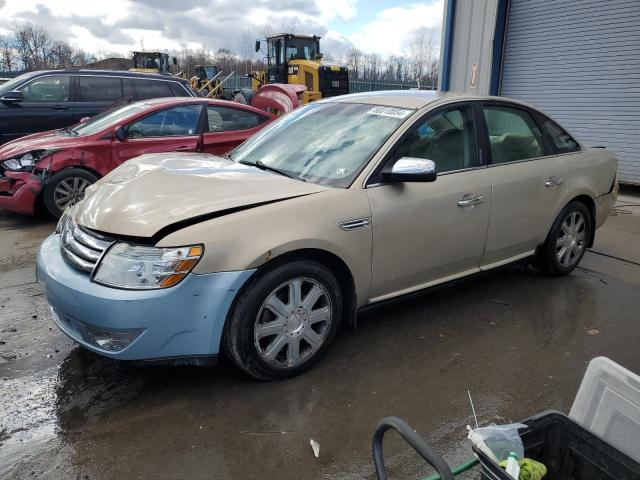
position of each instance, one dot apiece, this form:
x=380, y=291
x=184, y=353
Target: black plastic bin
x=569, y=451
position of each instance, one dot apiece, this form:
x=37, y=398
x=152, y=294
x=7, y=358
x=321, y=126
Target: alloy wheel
x=69, y=192
x=293, y=322
x=571, y=240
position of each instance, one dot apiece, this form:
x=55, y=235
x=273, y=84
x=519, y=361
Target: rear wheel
x=66, y=188
x=284, y=320
x=567, y=241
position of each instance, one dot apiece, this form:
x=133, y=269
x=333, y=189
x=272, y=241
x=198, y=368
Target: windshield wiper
x=263, y=166
x=69, y=131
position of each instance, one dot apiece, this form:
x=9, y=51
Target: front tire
x=284, y=320
x=567, y=241
x=66, y=188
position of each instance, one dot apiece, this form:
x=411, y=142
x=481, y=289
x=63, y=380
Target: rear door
x=47, y=105
x=147, y=88
x=528, y=181
x=174, y=129
x=94, y=94
x=425, y=233
x=227, y=127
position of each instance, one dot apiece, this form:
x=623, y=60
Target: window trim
x=547, y=148
x=373, y=179
x=199, y=123
x=205, y=126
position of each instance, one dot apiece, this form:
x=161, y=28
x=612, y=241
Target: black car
x=46, y=100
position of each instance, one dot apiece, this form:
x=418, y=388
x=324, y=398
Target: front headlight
x=27, y=161
x=141, y=267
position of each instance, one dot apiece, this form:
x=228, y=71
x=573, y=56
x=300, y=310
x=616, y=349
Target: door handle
x=470, y=200
x=553, y=182
x=183, y=147
x=60, y=107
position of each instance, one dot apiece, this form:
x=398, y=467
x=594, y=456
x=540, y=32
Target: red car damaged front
x=52, y=169
x=25, y=164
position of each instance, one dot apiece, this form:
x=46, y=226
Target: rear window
x=151, y=88
x=562, y=141
x=99, y=89
x=179, y=90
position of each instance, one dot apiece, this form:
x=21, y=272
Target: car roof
x=168, y=101
x=414, y=99
x=112, y=73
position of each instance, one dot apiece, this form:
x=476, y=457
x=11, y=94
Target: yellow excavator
x=296, y=60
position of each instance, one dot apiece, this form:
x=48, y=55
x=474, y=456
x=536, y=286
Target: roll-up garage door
x=580, y=62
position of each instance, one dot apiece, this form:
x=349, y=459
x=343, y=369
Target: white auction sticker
x=389, y=112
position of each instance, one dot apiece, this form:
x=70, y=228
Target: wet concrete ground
x=520, y=342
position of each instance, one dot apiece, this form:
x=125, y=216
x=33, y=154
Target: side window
x=447, y=138
x=561, y=140
x=172, y=122
x=99, y=89
x=224, y=119
x=513, y=134
x=151, y=89
x=178, y=90
x=52, y=88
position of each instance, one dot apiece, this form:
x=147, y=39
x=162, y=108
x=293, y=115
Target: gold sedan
x=340, y=204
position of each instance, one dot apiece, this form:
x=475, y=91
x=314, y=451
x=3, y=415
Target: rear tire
x=66, y=188
x=567, y=241
x=283, y=320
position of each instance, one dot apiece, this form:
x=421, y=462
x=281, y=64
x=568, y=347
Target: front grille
x=80, y=247
x=333, y=81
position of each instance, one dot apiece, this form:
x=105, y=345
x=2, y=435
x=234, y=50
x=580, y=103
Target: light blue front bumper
x=181, y=321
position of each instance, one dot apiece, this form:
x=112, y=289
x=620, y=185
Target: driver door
x=427, y=233
x=176, y=129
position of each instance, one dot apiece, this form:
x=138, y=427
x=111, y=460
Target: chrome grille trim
x=80, y=248
x=90, y=240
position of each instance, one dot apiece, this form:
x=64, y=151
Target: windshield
x=300, y=49
x=107, y=119
x=15, y=83
x=325, y=143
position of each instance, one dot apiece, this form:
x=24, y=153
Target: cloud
x=388, y=32
x=122, y=25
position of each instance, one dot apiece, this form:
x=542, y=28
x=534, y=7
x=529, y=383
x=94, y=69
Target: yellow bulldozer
x=153, y=62
x=296, y=60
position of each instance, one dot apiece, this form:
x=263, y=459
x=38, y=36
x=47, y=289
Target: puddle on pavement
x=515, y=339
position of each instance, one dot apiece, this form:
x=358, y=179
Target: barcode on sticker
x=389, y=112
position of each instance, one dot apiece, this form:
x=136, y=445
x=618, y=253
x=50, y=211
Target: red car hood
x=38, y=141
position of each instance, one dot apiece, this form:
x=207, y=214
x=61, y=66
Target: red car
x=54, y=168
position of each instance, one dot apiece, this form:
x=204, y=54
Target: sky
x=124, y=25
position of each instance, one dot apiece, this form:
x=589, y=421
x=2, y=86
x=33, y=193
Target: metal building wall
x=580, y=62
x=471, y=44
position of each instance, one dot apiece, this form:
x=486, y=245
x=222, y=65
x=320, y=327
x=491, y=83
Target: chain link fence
x=355, y=86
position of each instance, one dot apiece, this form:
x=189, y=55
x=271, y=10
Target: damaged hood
x=38, y=141
x=152, y=192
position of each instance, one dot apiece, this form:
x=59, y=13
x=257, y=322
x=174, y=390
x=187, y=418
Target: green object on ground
x=529, y=469
x=472, y=462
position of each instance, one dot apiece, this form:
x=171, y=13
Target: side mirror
x=120, y=134
x=13, y=96
x=84, y=119
x=257, y=45
x=409, y=169
x=319, y=56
